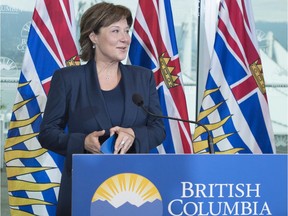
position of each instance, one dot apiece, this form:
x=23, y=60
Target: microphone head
x=137, y=99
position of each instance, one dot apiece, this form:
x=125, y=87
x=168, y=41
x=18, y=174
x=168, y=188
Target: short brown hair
x=99, y=15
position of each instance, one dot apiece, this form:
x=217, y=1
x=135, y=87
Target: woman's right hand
x=91, y=143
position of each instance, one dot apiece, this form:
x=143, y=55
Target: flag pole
x=198, y=54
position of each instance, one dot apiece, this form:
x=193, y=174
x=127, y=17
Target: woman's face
x=112, y=42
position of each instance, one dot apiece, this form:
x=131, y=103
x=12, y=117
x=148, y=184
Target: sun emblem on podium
x=127, y=194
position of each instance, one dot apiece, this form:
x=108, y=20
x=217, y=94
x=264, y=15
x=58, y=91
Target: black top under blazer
x=75, y=101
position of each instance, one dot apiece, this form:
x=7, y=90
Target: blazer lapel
x=95, y=96
x=130, y=110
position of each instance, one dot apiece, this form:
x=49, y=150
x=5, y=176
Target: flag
x=154, y=46
x=206, y=31
x=34, y=173
x=235, y=105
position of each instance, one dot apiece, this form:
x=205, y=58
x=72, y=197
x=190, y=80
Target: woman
x=88, y=103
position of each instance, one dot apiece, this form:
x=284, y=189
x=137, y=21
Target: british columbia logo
x=127, y=194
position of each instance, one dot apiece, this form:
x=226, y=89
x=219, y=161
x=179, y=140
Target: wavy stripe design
x=154, y=46
x=235, y=107
x=34, y=173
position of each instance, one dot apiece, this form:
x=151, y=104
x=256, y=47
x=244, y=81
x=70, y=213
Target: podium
x=181, y=184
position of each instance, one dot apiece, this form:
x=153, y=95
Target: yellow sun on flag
x=127, y=187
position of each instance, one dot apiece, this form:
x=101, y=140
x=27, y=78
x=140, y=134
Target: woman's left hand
x=124, y=140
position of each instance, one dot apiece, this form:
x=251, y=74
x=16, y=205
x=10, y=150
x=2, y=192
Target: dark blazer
x=75, y=107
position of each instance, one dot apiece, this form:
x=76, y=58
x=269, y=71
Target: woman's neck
x=108, y=74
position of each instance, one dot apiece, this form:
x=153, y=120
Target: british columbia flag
x=154, y=46
x=235, y=104
x=34, y=173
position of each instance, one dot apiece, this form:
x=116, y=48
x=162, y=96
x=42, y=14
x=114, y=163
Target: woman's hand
x=124, y=140
x=92, y=143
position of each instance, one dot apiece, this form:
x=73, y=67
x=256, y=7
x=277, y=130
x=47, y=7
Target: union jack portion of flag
x=154, y=46
x=235, y=106
x=34, y=173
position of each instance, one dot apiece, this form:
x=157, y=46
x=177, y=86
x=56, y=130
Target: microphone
x=138, y=100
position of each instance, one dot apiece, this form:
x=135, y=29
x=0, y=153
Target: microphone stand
x=210, y=139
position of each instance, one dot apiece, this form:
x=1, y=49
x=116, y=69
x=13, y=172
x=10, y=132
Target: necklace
x=106, y=69
x=107, y=75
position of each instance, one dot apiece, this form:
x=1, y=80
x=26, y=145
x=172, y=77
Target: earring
x=93, y=46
